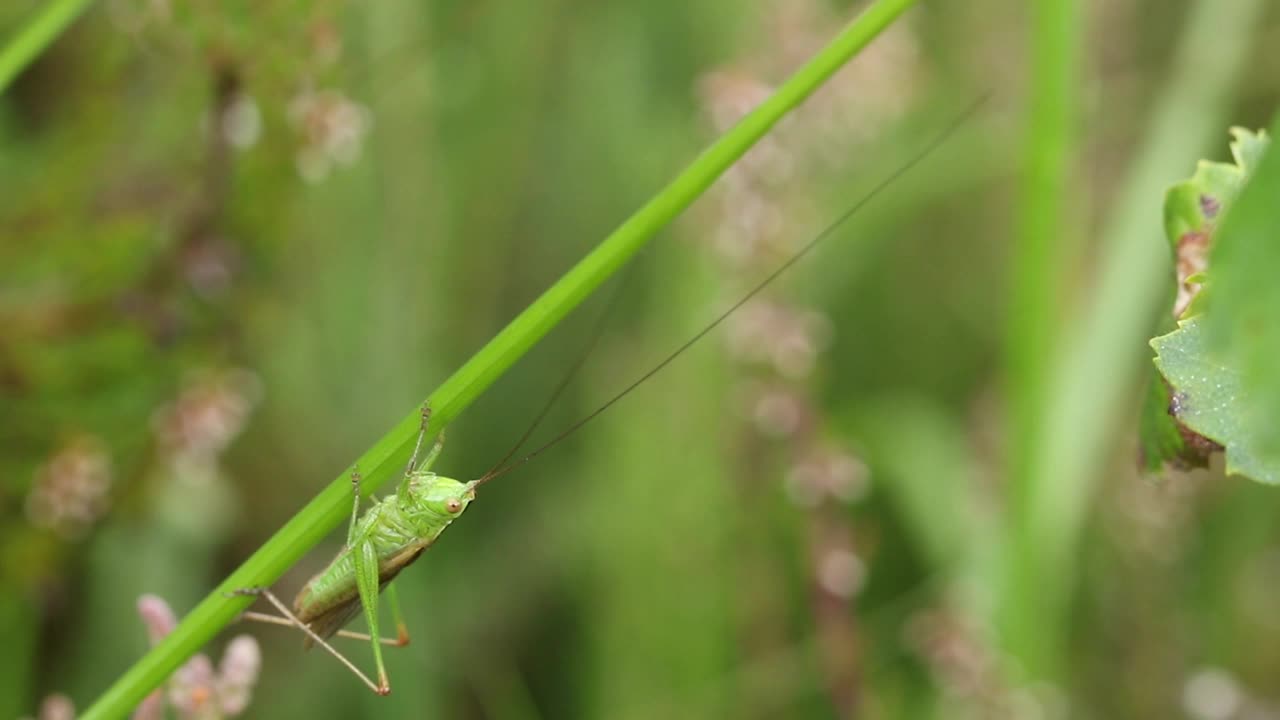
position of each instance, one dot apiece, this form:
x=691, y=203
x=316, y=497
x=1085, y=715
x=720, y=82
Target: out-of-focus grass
x=630, y=571
x=1045, y=250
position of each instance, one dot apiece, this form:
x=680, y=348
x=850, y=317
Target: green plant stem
x=387, y=456
x=37, y=35
x=1094, y=385
x=1045, y=248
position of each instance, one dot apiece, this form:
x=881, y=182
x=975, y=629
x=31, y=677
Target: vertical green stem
x=1043, y=251
x=18, y=654
x=37, y=35
x=383, y=460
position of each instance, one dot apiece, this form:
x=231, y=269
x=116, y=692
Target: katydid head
x=443, y=496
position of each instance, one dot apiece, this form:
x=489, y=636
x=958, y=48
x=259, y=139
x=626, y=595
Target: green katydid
x=390, y=536
x=397, y=529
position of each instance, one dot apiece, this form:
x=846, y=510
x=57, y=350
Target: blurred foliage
x=239, y=240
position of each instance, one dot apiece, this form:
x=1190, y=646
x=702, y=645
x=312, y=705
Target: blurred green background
x=239, y=240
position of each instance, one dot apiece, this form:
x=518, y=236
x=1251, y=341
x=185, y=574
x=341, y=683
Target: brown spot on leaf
x=1209, y=206
x=1198, y=443
x=1196, y=448
x=1192, y=259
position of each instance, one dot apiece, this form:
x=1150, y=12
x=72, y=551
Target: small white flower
x=71, y=491
x=241, y=122
x=841, y=573
x=333, y=128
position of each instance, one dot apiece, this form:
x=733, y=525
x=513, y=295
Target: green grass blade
x=1047, y=246
x=37, y=35
x=385, y=459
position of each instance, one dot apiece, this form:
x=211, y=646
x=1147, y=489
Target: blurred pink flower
x=56, y=707
x=827, y=474
x=71, y=490
x=332, y=128
x=210, y=412
x=197, y=690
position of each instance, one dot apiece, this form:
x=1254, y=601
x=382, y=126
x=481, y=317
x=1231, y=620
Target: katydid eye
x=453, y=505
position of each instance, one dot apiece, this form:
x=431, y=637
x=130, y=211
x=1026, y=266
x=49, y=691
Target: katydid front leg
x=429, y=460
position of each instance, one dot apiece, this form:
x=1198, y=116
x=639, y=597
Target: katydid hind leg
x=402, y=629
x=349, y=634
x=293, y=620
x=367, y=583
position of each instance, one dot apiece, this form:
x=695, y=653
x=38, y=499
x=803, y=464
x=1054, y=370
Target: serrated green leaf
x=1247, y=147
x=1196, y=203
x=1208, y=397
x=1242, y=316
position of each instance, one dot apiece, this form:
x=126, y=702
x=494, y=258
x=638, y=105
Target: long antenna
x=597, y=329
x=826, y=232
